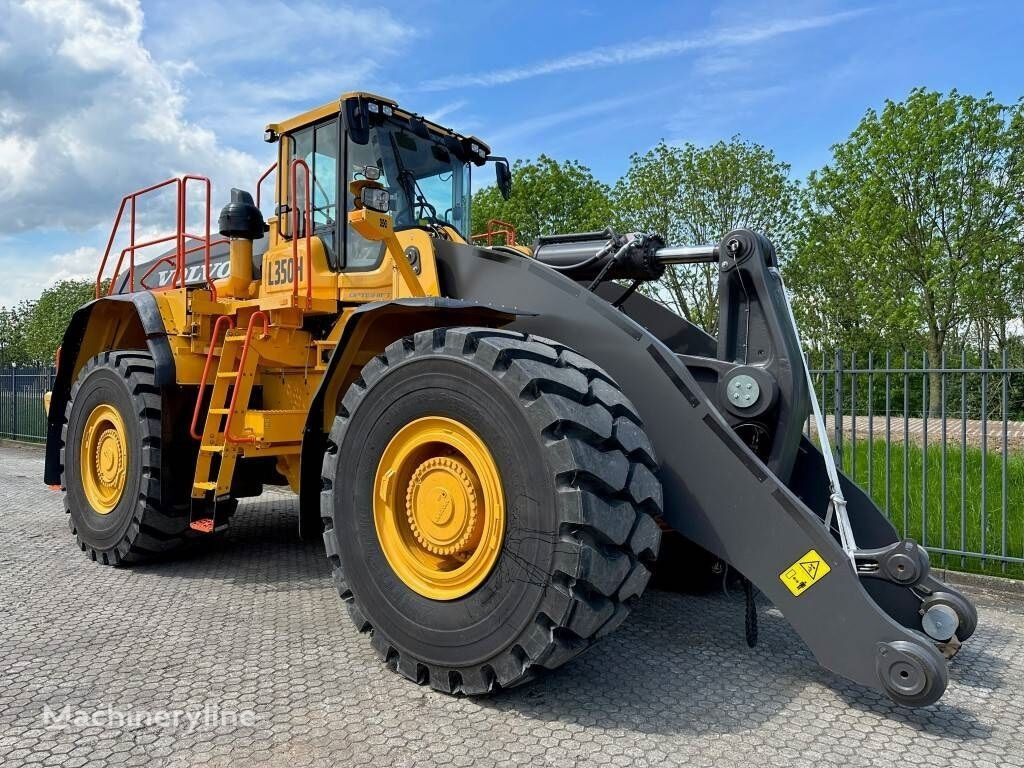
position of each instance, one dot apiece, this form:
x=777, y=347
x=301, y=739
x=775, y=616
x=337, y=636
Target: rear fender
x=120, y=321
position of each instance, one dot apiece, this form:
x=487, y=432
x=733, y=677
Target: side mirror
x=357, y=120
x=504, y=177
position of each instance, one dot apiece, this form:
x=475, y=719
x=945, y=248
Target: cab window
x=360, y=253
x=318, y=147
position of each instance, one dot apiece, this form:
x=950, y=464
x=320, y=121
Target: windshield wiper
x=412, y=191
x=410, y=185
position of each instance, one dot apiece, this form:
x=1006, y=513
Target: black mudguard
x=718, y=493
x=372, y=327
x=148, y=314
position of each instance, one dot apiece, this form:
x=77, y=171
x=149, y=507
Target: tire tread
x=609, y=499
x=152, y=532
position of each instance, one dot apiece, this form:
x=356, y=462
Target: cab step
x=206, y=525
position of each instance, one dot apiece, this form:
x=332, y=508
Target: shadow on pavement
x=683, y=655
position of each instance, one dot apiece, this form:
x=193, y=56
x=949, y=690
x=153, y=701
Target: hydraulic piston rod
x=687, y=254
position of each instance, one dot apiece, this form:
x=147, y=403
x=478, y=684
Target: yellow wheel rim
x=104, y=458
x=438, y=508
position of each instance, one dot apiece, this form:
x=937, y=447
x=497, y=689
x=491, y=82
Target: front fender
x=370, y=329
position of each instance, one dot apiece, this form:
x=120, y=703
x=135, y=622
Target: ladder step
x=212, y=448
x=205, y=525
x=220, y=411
x=205, y=486
x=227, y=374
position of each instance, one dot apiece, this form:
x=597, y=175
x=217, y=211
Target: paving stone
x=252, y=624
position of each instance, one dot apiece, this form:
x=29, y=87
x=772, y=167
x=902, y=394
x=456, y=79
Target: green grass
x=907, y=516
x=924, y=522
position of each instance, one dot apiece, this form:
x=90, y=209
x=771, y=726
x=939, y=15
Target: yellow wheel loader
x=490, y=439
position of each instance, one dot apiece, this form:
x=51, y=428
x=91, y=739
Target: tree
x=694, y=196
x=50, y=314
x=912, y=232
x=12, y=333
x=547, y=197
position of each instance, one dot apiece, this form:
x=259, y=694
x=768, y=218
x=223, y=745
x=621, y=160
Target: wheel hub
x=441, y=506
x=104, y=458
x=438, y=507
x=109, y=453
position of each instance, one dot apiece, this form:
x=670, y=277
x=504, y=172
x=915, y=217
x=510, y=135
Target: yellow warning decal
x=808, y=570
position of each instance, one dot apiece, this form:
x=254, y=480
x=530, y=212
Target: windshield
x=429, y=185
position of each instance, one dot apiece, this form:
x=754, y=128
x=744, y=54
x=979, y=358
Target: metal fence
x=945, y=461
x=939, y=449
x=21, y=401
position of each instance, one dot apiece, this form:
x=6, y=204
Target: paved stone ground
x=253, y=625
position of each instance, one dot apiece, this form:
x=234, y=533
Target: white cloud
x=98, y=99
x=319, y=50
x=439, y=113
x=89, y=112
x=81, y=262
x=90, y=115
x=543, y=122
x=632, y=51
x=290, y=35
x=709, y=113
x=36, y=269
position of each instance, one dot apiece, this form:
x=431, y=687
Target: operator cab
x=424, y=170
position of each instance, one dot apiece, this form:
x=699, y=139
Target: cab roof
x=332, y=108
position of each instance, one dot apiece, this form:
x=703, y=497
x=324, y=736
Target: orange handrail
x=206, y=372
x=228, y=437
x=131, y=249
x=171, y=257
x=296, y=164
x=183, y=232
x=131, y=198
x=179, y=235
x=497, y=227
x=259, y=183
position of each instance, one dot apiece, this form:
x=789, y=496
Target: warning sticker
x=806, y=571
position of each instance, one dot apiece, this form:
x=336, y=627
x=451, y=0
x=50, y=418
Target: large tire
x=578, y=477
x=141, y=525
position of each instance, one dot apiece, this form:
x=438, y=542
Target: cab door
x=316, y=200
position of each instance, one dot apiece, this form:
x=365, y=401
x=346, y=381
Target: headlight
x=376, y=199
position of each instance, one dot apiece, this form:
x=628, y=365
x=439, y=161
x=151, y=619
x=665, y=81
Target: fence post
x=853, y=416
x=837, y=403
x=871, y=424
x=906, y=442
x=14, y=402
x=1003, y=486
x=888, y=433
x=925, y=406
x=943, y=507
x=963, y=455
x=984, y=453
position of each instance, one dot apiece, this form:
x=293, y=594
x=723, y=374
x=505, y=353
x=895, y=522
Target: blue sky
x=98, y=97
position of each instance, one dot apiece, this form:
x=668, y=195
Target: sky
x=101, y=97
